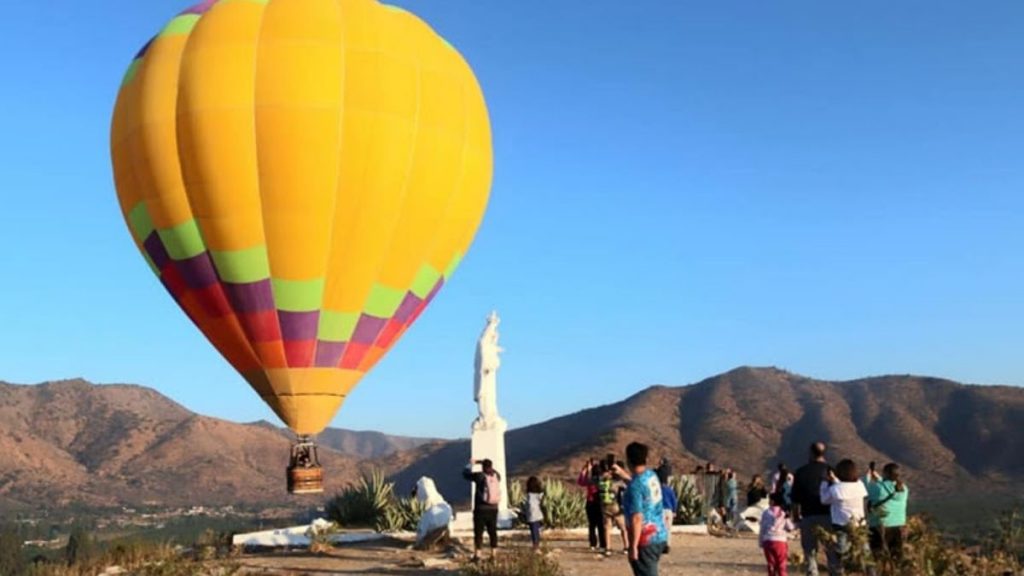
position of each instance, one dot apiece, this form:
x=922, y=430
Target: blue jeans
x=535, y=533
x=646, y=563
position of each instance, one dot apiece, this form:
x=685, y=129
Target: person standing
x=774, y=535
x=534, y=510
x=645, y=513
x=777, y=477
x=887, y=515
x=588, y=478
x=732, y=498
x=485, y=504
x=845, y=493
x=609, y=486
x=808, y=510
x=670, y=503
x=756, y=492
x=787, y=492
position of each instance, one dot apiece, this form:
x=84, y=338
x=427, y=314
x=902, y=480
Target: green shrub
x=564, y=507
x=10, y=551
x=362, y=505
x=516, y=495
x=519, y=562
x=1009, y=536
x=79, y=549
x=691, y=504
x=372, y=503
x=400, y=514
x=927, y=552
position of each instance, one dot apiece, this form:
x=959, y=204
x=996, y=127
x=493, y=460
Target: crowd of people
x=837, y=500
x=639, y=503
x=628, y=496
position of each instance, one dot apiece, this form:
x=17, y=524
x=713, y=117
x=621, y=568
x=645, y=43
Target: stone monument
x=489, y=428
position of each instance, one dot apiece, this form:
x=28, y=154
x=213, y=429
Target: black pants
x=485, y=519
x=888, y=540
x=595, y=524
x=646, y=563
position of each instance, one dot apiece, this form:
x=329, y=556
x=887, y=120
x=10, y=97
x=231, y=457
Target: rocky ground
x=705, y=555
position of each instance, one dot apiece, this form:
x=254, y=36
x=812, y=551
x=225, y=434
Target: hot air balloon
x=303, y=176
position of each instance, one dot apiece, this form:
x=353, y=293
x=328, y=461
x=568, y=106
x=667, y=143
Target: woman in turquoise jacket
x=887, y=514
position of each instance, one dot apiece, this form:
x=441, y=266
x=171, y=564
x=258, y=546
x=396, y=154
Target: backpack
x=605, y=491
x=492, y=489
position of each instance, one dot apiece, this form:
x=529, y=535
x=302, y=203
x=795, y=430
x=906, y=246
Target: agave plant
x=563, y=507
x=363, y=504
x=691, y=505
x=372, y=503
x=401, y=514
x=516, y=495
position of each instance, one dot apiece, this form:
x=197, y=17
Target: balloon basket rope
x=305, y=475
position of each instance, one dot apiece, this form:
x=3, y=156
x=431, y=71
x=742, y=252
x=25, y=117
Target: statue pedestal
x=488, y=442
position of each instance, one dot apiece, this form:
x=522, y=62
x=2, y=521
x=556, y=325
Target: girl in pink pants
x=773, y=536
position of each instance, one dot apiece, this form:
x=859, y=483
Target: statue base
x=488, y=442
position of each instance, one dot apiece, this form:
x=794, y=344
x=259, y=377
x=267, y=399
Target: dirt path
x=691, y=555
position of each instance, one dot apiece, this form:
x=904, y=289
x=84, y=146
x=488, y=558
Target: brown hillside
x=945, y=434
x=72, y=441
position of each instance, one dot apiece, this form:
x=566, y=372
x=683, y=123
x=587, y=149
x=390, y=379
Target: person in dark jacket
x=756, y=492
x=485, y=514
x=808, y=510
x=589, y=477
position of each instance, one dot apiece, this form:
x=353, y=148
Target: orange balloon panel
x=303, y=176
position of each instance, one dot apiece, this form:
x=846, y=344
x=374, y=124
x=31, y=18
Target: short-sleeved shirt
x=894, y=512
x=807, y=489
x=669, y=500
x=643, y=496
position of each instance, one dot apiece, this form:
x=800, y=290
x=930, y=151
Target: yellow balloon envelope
x=303, y=176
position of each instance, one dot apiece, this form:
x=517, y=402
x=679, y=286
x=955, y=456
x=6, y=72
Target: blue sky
x=680, y=188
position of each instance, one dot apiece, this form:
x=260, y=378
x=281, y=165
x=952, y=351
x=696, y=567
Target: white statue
x=486, y=380
x=433, y=527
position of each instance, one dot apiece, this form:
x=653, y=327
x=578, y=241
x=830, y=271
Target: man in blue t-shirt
x=644, y=514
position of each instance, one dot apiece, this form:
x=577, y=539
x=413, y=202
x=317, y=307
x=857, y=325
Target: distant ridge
x=946, y=435
x=75, y=442
x=358, y=443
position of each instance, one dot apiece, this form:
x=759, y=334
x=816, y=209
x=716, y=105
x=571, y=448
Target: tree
x=11, y=561
x=79, y=548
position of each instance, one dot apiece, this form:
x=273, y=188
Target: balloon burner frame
x=305, y=476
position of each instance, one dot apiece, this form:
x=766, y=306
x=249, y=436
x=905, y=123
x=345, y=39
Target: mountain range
x=76, y=442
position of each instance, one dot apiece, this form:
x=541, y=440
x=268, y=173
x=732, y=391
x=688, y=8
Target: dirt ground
x=690, y=555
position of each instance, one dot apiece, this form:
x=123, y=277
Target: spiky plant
x=402, y=514
x=516, y=495
x=363, y=504
x=563, y=507
x=691, y=505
